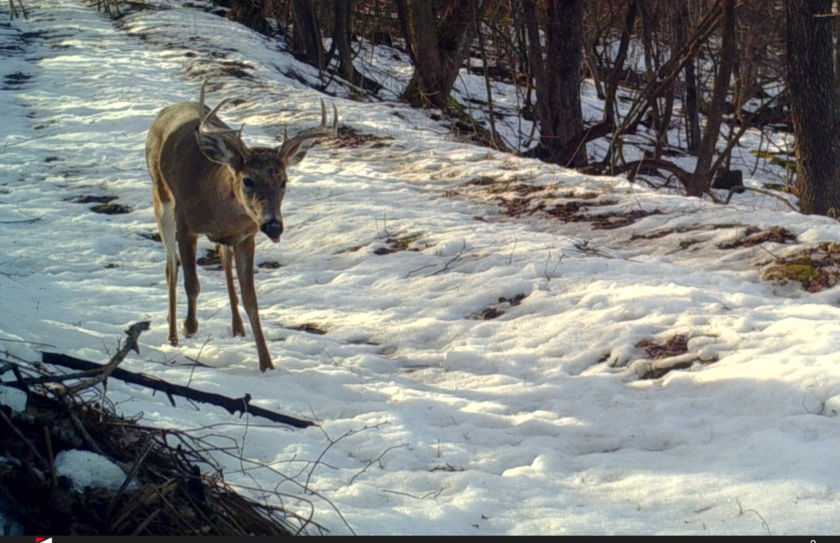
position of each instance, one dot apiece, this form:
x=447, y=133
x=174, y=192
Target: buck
x=205, y=180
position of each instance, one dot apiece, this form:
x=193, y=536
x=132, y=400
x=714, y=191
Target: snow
x=430, y=420
x=13, y=398
x=89, y=469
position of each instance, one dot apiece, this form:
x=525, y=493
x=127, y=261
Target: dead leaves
x=667, y=355
x=815, y=268
x=498, y=309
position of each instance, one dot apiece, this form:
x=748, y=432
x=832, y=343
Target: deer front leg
x=244, y=255
x=186, y=246
x=226, y=253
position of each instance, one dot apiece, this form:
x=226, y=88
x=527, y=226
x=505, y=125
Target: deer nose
x=272, y=229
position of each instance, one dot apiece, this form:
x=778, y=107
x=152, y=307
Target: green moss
x=790, y=189
x=780, y=159
x=790, y=272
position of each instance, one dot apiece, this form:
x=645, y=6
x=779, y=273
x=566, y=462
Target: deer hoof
x=266, y=365
x=190, y=327
x=173, y=340
x=238, y=329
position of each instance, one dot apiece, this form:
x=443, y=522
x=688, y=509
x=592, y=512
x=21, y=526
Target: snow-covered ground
x=431, y=419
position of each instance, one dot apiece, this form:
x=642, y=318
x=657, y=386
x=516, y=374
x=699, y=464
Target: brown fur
x=205, y=180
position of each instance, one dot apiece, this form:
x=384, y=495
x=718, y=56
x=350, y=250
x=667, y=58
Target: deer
x=207, y=181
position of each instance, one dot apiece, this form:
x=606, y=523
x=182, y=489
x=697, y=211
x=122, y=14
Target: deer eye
x=248, y=183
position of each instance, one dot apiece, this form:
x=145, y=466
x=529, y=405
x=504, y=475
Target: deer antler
x=207, y=125
x=292, y=146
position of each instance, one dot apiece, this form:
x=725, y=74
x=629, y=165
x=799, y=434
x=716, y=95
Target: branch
x=133, y=333
x=657, y=163
x=232, y=405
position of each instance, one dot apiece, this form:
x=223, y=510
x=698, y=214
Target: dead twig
x=23, y=438
x=147, y=447
x=760, y=191
x=130, y=344
x=53, y=473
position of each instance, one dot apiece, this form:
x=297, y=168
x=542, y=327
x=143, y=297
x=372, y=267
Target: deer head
x=258, y=174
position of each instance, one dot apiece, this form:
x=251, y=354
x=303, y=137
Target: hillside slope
x=481, y=355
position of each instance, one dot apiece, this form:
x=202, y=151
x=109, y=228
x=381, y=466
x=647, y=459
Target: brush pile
x=171, y=485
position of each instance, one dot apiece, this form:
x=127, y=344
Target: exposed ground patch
x=665, y=355
x=755, y=236
x=814, y=268
x=396, y=243
x=349, y=137
x=308, y=327
x=518, y=198
x=500, y=308
x=102, y=204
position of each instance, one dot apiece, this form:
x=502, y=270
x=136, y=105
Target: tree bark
x=306, y=42
x=437, y=46
x=813, y=105
x=250, y=14
x=690, y=106
x=618, y=66
x=342, y=35
x=556, y=71
x=701, y=179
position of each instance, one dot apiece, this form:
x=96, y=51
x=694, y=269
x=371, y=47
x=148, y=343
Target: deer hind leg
x=167, y=229
x=244, y=256
x=226, y=252
x=186, y=246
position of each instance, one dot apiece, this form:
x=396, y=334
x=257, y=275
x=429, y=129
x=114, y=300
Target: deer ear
x=220, y=148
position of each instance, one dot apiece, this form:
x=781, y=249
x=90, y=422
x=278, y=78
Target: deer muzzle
x=273, y=229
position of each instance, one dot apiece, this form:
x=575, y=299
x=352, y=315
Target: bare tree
x=618, y=65
x=556, y=70
x=701, y=179
x=248, y=13
x=306, y=41
x=342, y=37
x=438, y=41
x=813, y=105
x=690, y=106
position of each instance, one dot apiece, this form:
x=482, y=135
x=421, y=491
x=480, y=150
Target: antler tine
x=333, y=130
x=311, y=133
x=204, y=120
x=213, y=111
x=201, y=96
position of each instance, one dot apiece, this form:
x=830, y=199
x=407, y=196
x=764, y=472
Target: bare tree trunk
x=618, y=66
x=437, y=46
x=557, y=75
x=491, y=116
x=701, y=179
x=690, y=107
x=651, y=69
x=342, y=36
x=660, y=114
x=836, y=46
x=306, y=41
x=250, y=14
x=813, y=105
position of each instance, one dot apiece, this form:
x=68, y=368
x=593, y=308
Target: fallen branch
x=130, y=344
x=22, y=437
x=760, y=191
x=650, y=162
x=232, y=405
